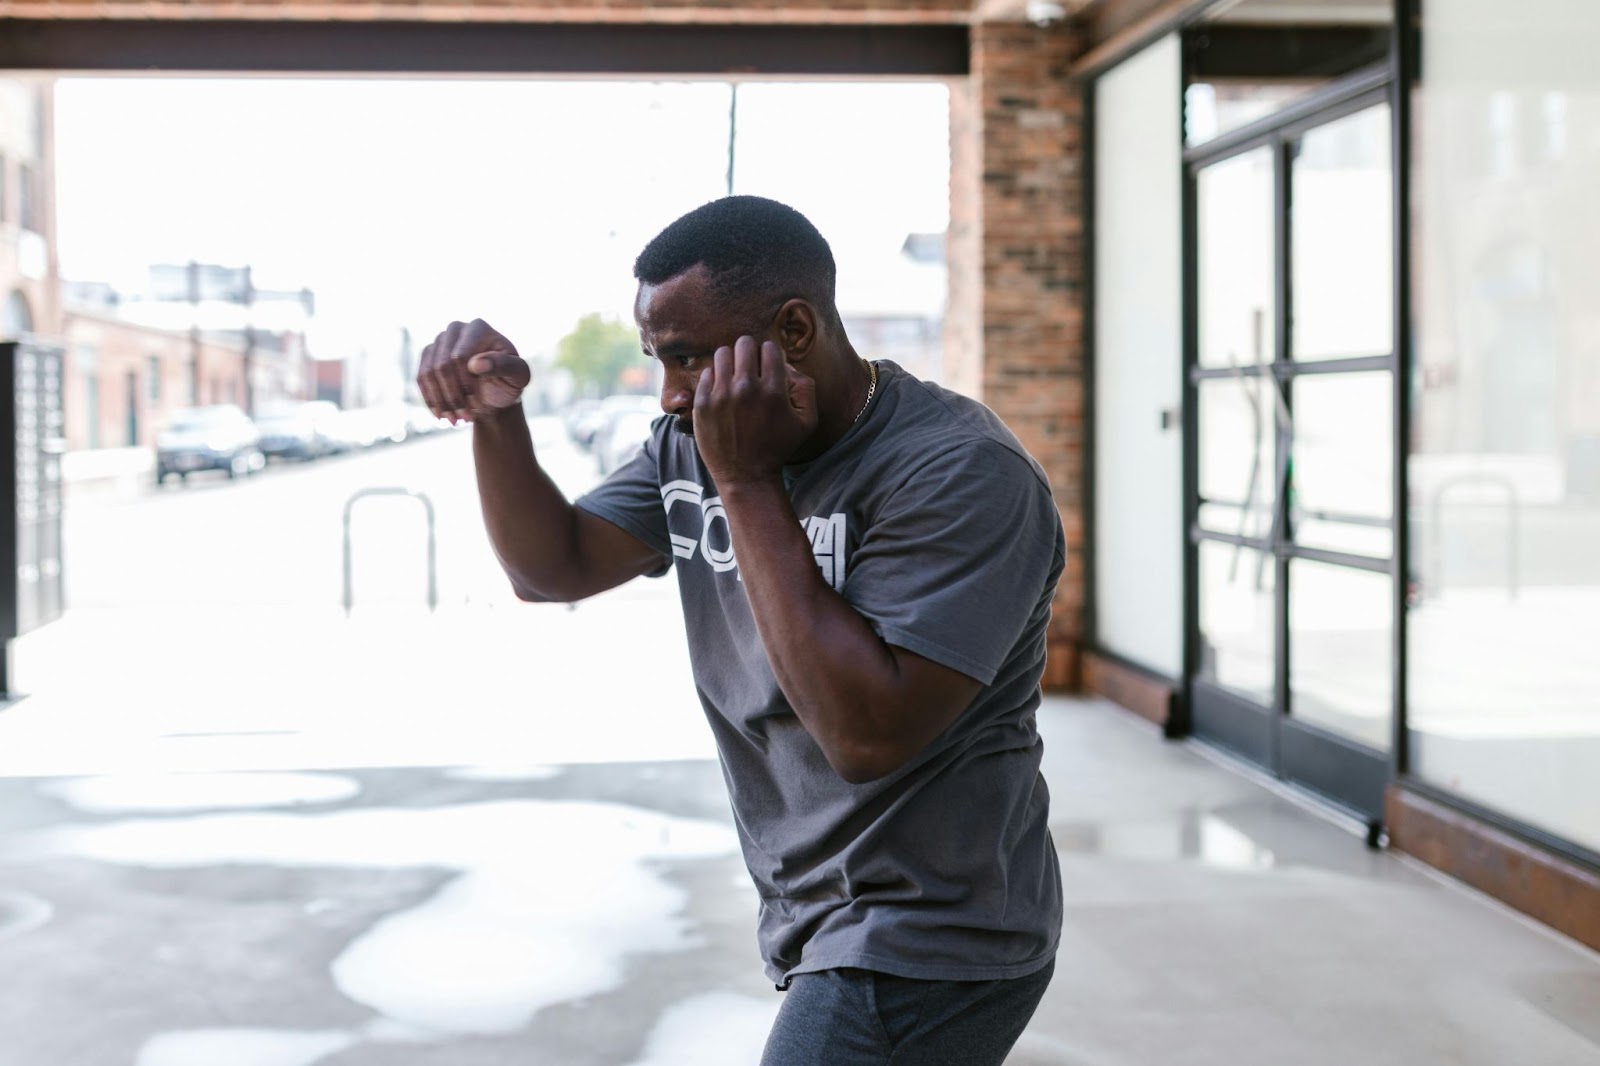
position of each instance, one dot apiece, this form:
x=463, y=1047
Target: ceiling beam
x=473, y=48
x=1118, y=28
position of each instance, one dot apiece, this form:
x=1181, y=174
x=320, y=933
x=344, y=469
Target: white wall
x=1138, y=309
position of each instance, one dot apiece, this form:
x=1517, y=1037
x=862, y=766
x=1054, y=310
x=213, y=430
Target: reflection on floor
x=590, y=913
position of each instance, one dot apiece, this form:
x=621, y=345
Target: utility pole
x=408, y=367
x=249, y=343
x=194, y=333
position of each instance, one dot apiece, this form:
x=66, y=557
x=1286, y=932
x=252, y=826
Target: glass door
x=1292, y=371
x=1238, y=407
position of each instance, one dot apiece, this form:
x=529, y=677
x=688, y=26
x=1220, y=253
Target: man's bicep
x=935, y=694
x=613, y=556
x=621, y=526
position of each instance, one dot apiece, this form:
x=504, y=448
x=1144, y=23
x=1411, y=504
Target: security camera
x=1045, y=12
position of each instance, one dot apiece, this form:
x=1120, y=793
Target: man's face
x=682, y=324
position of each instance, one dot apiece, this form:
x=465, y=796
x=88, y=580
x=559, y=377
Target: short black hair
x=759, y=253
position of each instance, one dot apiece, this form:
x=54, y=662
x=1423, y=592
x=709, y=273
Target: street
x=275, y=538
x=205, y=631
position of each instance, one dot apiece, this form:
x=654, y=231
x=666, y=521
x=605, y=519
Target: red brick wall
x=1023, y=126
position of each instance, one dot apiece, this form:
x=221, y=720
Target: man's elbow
x=529, y=594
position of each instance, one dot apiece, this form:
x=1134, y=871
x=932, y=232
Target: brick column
x=1014, y=334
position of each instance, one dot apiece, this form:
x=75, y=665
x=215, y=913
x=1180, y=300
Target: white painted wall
x=1138, y=359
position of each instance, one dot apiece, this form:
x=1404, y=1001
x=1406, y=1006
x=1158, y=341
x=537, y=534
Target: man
x=866, y=563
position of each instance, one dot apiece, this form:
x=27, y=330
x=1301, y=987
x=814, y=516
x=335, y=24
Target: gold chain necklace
x=871, y=388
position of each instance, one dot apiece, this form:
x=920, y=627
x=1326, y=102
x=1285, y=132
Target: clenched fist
x=471, y=370
x=752, y=410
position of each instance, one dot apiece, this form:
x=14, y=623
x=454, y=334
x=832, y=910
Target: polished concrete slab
x=591, y=912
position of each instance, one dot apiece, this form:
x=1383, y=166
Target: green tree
x=597, y=351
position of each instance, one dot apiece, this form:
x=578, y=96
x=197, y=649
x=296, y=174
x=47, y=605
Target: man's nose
x=677, y=394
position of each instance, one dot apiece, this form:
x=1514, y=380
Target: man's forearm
x=531, y=525
x=841, y=679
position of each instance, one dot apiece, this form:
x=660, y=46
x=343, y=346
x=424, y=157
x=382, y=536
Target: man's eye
x=685, y=361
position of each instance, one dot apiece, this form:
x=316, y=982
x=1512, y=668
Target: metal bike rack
x=433, y=567
x=1513, y=525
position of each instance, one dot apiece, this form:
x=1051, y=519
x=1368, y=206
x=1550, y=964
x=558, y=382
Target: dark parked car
x=304, y=431
x=209, y=438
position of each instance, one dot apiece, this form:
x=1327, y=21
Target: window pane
x=1505, y=465
x=1214, y=108
x=1341, y=622
x=1236, y=452
x=1342, y=233
x=1248, y=59
x=1235, y=520
x=1236, y=619
x=1344, y=459
x=1352, y=539
x=1236, y=261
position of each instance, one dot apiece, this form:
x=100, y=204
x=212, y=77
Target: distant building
x=381, y=369
x=122, y=381
x=28, y=298
x=207, y=301
x=328, y=375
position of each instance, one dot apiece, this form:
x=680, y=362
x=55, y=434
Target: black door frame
x=1338, y=769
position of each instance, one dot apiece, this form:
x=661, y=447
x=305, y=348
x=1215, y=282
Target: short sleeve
x=631, y=500
x=959, y=557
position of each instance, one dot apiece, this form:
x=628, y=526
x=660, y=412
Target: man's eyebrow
x=675, y=348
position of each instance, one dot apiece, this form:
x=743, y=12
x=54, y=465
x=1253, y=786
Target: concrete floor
x=586, y=912
x=237, y=829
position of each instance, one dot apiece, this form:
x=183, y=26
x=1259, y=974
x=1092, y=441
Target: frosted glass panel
x=1505, y=464
x=1138, y=360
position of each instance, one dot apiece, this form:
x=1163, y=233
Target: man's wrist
x=752, y=489
x=501, y=416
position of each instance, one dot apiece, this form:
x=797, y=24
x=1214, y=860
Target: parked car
x=625, y=435
x=597, y=428
x=576, y=419
x=220, y=437
x=303, y=431
x=591, y=430
x=391, y=423
x=420, y=421
x=370, y=426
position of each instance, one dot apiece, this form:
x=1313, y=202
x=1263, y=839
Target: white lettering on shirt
x=827, y=533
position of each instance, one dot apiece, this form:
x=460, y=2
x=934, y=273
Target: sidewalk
x=101, y=464
x=123, y=472
x=482, y=860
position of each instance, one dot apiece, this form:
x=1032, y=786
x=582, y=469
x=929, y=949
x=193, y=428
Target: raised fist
x=471, y=370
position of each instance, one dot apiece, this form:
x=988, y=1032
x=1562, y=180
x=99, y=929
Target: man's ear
x=797, y=329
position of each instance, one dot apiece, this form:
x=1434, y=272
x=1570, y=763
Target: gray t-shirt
x=931, y=519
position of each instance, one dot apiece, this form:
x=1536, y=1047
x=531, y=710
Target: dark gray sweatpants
x=865, y=1018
